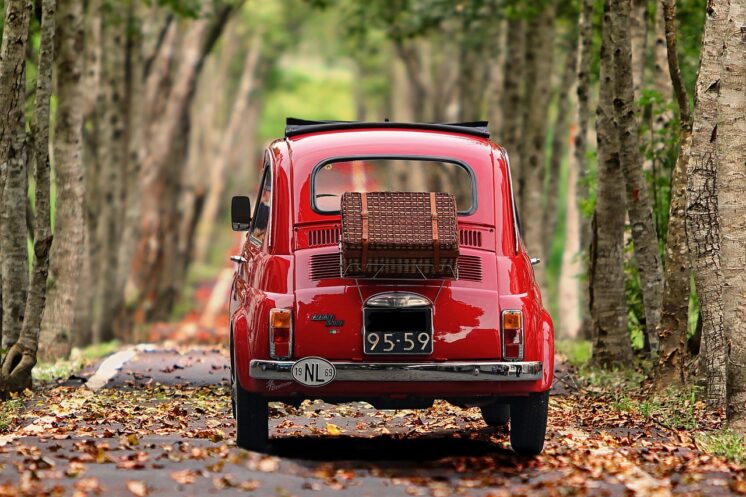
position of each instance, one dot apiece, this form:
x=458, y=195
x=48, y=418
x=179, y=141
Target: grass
x=675, y=408
x=724, y=443
x=60, y=370
x=9, y=412
x=577, y=352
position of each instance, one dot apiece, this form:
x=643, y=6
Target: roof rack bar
x=295, y=126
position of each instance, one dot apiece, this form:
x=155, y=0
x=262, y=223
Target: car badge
x=329, y=320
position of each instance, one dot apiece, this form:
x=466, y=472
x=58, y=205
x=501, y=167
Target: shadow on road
x=386, y=448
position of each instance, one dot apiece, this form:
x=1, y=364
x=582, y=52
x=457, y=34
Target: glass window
x=263, y=206
x=333, y=179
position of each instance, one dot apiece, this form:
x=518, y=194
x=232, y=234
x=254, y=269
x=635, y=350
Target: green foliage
x=725, y=443
x=577, y=352
x=64, y=368
x=633, y=294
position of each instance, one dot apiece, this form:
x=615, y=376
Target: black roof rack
x=295, y=126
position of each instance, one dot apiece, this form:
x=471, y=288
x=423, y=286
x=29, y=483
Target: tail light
x=280, y=333
x=512, y=328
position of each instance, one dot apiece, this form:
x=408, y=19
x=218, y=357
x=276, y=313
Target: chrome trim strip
x=409, y=371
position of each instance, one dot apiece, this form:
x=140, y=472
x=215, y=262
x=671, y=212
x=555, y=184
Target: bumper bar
x=409, y=371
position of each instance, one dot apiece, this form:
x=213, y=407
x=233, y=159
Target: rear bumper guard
x=409, y=371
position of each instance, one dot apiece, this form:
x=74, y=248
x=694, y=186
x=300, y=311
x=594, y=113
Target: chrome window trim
x=267, y=169
x=424, y=158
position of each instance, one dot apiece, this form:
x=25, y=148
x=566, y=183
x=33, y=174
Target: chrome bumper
x=409, y=371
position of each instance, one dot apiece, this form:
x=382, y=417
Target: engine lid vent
x=325, y=266
x=469, y=268
x=323, y=236
x=470, y=238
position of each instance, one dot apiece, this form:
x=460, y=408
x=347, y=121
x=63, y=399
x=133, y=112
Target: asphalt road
x=317, y=450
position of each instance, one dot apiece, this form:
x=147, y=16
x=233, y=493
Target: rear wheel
x=496, y=414
x=252, y=419
x=528, y=423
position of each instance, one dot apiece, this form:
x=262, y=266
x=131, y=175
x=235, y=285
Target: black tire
x=528, y=423
x=496, y=414
x=252, y=420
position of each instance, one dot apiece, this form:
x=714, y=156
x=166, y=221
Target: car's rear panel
x=329, y=309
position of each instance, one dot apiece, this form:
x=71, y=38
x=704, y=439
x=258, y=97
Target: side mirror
x=240, y=213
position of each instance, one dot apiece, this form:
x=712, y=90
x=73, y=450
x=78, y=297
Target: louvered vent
x=323, y=236
x=469, y=268
x=324, y=266
x=470, y=238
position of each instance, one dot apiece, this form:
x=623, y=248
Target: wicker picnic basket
x=399, y=234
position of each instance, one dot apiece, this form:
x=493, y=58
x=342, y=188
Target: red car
x=302, y=329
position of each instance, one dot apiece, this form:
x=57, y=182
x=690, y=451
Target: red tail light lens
x=512, y=335
x=280, y=333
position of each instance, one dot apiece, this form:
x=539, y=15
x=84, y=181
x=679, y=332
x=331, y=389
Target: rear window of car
x=330, y=179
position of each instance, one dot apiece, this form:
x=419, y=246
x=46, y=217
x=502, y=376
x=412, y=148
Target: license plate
x=398, y=332
x=398, y=342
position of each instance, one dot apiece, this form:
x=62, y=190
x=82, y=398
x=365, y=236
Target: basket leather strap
x=364, y=215
x=434, y=221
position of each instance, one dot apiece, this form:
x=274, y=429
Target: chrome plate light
x=397, y=300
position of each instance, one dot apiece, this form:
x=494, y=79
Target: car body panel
x=279, y=273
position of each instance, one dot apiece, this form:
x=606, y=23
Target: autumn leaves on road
x=152, y=430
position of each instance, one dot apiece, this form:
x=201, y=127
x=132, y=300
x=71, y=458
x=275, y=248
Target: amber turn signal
x=512, y=320
x=279, y=318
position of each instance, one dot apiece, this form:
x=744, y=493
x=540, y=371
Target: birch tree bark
x=639, y=206
x=611, y=343
x=539, y=63
x=675, y=308
x=702, y=217
x=13, y=159
x=21, y=358
x=66, y=255
x=638, y=33
x=731, y=191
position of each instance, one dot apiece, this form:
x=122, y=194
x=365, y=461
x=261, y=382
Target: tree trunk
x=497, y=82
x=511, y=101
x=230, y=134
x=13, y=158
x=161, y=180
x=639, y=206
x=585, y=34
x=702, y=218
x=135, y=106
x=675, y=310
x=66, y=254
x=21, y=358
x=611, y=343
x=92, y=55
x=559, y=141
x=539, y=63
x=731, y=191
x=638, y=33
x=111, y=173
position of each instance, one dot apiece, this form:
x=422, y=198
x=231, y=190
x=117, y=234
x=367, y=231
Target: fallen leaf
x=137, y=488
